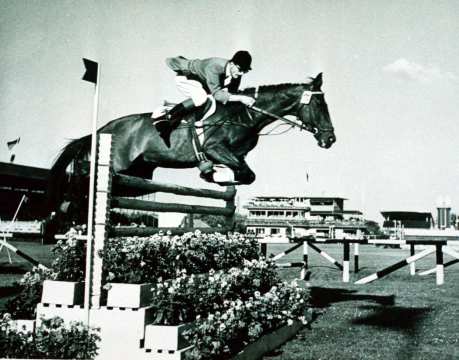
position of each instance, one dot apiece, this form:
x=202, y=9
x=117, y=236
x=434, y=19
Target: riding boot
x=173, y=119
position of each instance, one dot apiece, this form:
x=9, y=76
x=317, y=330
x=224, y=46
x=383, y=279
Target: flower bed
x=137, y=260
x=143, y=260
x=52, y=339
x=225, y=333
x=187, y=297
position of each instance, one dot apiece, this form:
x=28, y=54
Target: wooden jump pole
x=151, y=186
x=135, y=204
x=155, y=186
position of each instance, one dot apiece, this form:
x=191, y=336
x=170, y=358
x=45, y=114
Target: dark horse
x=230, y=133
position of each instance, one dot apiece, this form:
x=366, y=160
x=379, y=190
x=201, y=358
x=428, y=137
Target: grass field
x=397, y=317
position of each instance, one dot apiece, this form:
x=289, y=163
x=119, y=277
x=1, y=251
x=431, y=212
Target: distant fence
x=21, y=227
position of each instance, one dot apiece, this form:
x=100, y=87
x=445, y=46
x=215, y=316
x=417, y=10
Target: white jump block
x=122, y=331
x=129, y=295
x=166, y=337
x=68, y=313
x=62, y=292
x=166, y=355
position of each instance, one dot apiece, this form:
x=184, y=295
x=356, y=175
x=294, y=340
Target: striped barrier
x=325, y=255
x=448, y=251
x=396, y=266
x=440, y=247
x=9, y=247
x=303, y=264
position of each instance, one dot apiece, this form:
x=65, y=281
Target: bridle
x=304, y=101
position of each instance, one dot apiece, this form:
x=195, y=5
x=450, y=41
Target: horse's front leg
x=221, y=155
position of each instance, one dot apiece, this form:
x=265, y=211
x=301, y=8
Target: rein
x=305, y=100
x=288, y=121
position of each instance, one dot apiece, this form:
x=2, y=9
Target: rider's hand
x=247, y=100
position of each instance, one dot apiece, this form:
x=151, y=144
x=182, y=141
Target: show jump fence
x=105, y=176
x=104, y=202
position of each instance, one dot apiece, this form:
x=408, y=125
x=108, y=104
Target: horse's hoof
x=207, y=176
x=227, y=183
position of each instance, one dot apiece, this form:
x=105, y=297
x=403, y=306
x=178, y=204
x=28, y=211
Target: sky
x=390, y=70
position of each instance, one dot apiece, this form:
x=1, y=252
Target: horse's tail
x=74, y=150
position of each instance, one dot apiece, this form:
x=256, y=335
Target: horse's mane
x=273, y=87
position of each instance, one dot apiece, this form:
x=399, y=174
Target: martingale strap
x=197, y=147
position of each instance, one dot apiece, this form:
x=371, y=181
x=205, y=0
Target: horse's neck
x=279, y=106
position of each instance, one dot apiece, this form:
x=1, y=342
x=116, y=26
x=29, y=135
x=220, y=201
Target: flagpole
x=90, y=227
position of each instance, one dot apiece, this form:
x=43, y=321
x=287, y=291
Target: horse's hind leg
x=140, y=168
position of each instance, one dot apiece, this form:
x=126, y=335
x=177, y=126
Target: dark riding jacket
x=211, y=73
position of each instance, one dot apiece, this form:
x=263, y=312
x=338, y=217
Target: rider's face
x=235, y=71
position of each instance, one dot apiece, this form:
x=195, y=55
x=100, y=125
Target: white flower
x=289, y=322
x=303, y=320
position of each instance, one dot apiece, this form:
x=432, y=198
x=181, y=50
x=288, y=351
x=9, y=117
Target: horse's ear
x=317, y=82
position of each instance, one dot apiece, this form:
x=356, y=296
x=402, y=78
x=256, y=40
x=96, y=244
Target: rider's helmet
x=243, y=59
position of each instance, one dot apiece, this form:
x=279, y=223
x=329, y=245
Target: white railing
x=25, y=227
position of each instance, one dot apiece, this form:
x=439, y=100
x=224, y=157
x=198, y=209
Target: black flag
x=91, y=71
x=13, y=156
x=12, y=143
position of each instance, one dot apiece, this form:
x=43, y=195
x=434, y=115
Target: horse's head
x=313, y=113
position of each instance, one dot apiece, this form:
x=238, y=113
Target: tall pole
x=90, y=227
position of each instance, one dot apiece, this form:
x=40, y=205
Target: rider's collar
x=306, y=97
x=227, y=70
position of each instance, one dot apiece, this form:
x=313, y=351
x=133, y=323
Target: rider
x=197, y=78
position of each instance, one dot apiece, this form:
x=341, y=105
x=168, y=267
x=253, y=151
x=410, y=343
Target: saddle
x=211, y=172
x=195, y=119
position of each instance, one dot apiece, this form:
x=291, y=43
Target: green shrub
x=23, y=306
x=70, y=261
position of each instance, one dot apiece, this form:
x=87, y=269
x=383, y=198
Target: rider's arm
x=246, y=100
x=213, y=83
x=222, y=94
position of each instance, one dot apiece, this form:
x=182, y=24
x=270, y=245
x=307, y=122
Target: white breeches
x=191, y=89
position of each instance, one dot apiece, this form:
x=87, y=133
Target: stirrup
x=165, y=134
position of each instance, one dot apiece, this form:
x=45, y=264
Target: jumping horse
x=229, y=134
